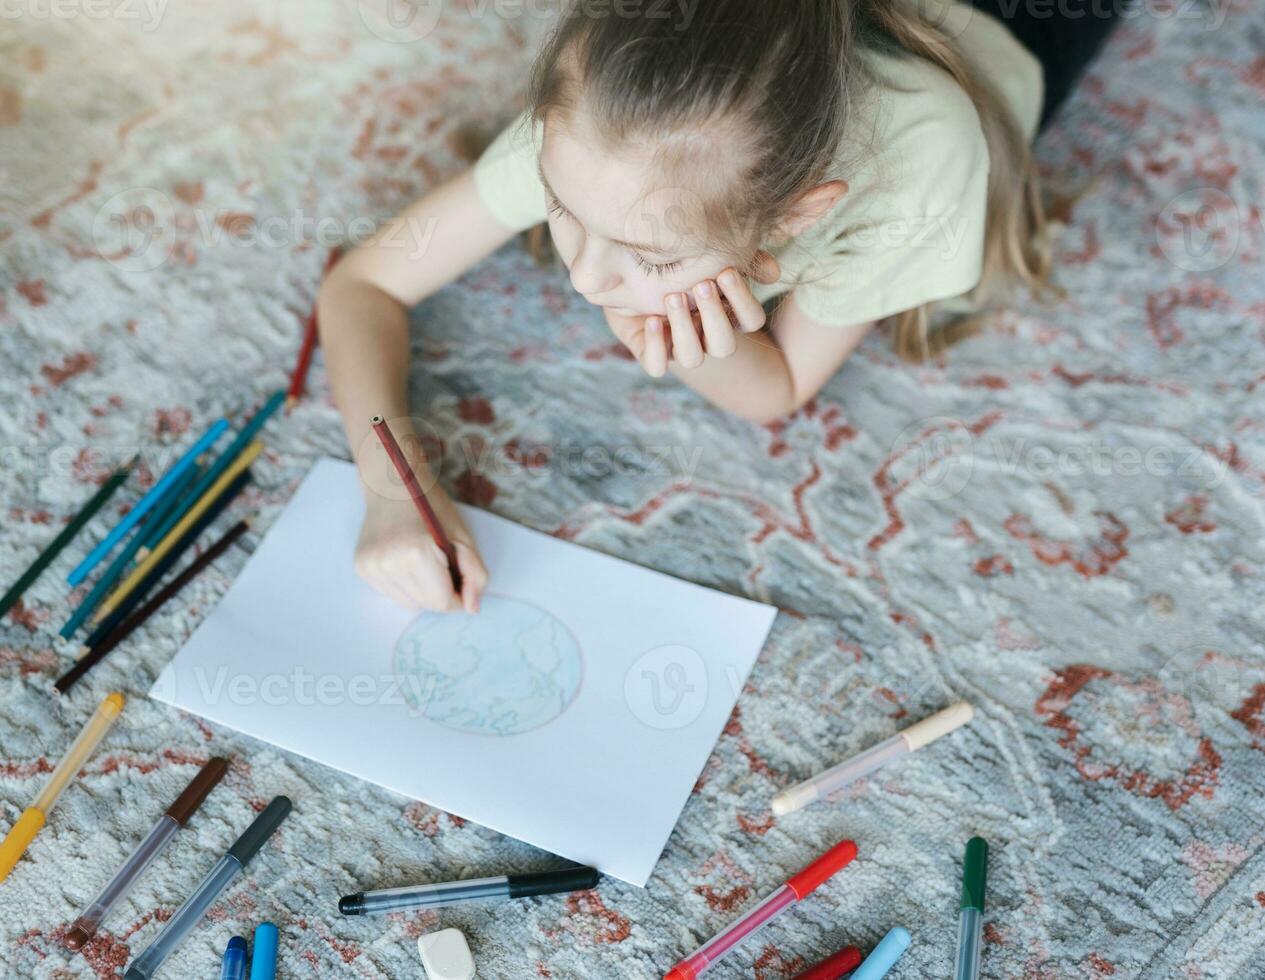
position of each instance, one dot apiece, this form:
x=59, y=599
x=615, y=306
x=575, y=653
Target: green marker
x=974, y=875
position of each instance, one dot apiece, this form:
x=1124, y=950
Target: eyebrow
x=635, y=246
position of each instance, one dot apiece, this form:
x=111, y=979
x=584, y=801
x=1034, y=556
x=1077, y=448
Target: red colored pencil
x=419, y=498
x=134, y=621
x=299, y=379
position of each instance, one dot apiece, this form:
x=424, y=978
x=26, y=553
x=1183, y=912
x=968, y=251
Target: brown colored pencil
x=138, y=617
x=419, y=498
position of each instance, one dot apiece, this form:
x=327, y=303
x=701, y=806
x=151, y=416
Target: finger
x=421, y=574
x=474, y=577
x=765, y=268
x=635, y=342
x=654, y=359
x=747, y=309
x=718, y=331
x=686, y=348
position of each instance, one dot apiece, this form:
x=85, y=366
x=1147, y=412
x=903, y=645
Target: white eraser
x=446, y=955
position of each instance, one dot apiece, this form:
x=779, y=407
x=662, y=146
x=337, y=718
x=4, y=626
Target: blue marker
x=884, y=956
x=234, y=967
x=263, y=965
x=156, y=493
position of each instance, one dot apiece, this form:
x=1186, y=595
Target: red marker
x=795, y=890
x=833, y=967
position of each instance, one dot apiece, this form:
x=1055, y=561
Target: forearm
x=754, y=382
x=365, y=338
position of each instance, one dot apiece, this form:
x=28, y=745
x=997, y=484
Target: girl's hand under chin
x=687, y=335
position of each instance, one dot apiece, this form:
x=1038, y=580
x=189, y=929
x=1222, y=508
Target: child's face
x=628, y=240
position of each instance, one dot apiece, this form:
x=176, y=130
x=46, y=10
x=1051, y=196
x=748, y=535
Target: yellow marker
x=197, y=510
x=33, y=817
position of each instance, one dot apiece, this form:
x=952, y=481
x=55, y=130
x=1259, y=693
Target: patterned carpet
x=1061, y=522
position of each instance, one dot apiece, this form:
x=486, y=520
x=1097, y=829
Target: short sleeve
x=507, y=177
x=910, y=230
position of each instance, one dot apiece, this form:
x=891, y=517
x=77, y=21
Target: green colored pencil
x=67, y=533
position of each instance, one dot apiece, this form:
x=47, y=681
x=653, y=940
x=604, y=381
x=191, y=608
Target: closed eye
x=556, y=207
x=656, y=268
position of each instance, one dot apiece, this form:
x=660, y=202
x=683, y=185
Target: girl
x=859, y=160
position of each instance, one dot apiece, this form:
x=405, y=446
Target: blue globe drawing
x=509, y=669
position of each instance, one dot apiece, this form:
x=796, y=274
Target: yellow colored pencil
x=197, y=510
x=33, y=817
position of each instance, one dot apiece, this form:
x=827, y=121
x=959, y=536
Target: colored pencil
x=214, y=472
x=112, y=573
x=156, y=574
x=146, y=502
x=298, y=380
x=138, y=617
x=50, y=553
x=188, y=520
x=424, y=508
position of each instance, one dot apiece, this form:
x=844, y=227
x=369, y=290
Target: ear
x=810, y=208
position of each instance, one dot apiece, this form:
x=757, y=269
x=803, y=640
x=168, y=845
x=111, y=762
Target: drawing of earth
x=510, y=668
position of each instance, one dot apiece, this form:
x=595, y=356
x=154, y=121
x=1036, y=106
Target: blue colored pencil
x=170, y=499
x=222, y=462
x=146, y=502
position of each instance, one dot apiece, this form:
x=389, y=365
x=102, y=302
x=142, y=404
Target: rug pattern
x=1061, y=521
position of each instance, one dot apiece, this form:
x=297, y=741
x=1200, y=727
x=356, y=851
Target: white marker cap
x=795, y=798
x=446, y=955
x=941, y=723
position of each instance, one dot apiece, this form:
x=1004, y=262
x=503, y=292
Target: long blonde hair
x=792, y=73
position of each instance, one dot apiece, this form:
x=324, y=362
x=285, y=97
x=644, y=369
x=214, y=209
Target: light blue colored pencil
x=163, y=508
x=222, y=462
x=146, y=502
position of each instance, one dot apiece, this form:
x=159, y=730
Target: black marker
x=474, y=890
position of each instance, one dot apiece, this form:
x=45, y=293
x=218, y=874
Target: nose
x=590, y=273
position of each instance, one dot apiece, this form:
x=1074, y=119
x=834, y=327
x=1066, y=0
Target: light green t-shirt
x=910, y=229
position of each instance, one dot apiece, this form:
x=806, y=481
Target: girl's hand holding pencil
x=399, y=556
x=699, y=324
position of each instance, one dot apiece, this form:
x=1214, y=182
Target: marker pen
x=217, y=879
x=155, y=842
x=795, y=890
x=234, y=965
x=884, y=956
x=902, y=743
x=473, y=890
x=974, y=874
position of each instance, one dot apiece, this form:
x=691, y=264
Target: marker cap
x=257, y=834
x=263, y=964
x=187, y=803
x=941, y=723
x=20, y=837
x=974, y=873
x=553, y=882
x=826, y=866
x=884, y=956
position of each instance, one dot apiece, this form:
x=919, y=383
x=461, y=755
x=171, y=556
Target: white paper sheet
x=574, y=713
